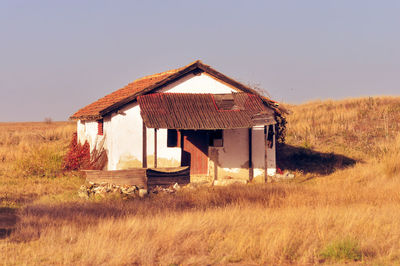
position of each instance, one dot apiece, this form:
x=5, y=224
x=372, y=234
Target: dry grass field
x=342, y=207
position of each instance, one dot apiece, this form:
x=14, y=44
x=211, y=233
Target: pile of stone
x=93, y=190
x=162, y=189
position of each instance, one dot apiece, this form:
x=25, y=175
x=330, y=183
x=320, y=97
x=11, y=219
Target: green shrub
x=342, y=250
x=43, y=161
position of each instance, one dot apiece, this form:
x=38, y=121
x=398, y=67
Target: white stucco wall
x=232, y=160
x=80, y=129
x=87, y=131
x=258, y=149
x=123, y=136
x=166, y=156
x=202, y=83
x=123, y=133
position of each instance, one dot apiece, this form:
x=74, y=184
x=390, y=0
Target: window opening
x=216, y=138
x=173, y=138
x=100, y=127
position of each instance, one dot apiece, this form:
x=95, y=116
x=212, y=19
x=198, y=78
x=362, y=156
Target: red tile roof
x=92, y=111
x=130, y=92
x=204, y=111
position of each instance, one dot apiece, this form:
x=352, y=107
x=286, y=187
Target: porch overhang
x=204, y=111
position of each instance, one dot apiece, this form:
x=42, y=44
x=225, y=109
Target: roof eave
x=86, y=117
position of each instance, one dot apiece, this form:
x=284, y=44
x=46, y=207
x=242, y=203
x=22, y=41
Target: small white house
x=191, y=116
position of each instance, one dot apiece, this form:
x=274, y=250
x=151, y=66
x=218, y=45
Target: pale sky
x=58, y=56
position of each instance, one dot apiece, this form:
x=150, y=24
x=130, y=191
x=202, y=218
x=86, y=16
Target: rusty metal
x=204, y=111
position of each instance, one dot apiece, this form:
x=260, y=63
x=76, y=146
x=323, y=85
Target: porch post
x=266, y=130
x=144, y=146
x=155, y=148
x=251, y=172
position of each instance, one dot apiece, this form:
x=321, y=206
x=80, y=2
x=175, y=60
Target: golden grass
x=361, y=128
x=18, y=139
x=24, y=148
x=350, y=214
x=232, y=234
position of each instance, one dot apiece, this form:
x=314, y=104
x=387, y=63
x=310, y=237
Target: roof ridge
x=171, y=71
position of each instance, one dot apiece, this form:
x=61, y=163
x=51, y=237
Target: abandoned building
x=191, y=116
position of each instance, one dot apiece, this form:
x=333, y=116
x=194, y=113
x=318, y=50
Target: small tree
x=78, y=156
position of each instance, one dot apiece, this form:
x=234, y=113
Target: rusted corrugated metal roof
x=204, y=111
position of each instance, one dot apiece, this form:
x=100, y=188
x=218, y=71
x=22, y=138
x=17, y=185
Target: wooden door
x=195, y=151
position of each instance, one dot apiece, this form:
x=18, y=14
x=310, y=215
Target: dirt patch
x=8, y=220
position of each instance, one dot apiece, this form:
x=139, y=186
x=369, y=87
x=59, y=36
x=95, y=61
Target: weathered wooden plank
x=267, y=179
x=251, y=170
x=141, y=177
x=120, y=177
x=110, y=174
x=178, y=177
x=144, y=146
x=168, y=169
x=155, y=148
x=168, y=176
x=160, y=181
x=131, y=170
x=140, y=182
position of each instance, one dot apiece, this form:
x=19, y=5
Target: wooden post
x=251, y=172
x=266, y=129
x=155, y=148
x=144, y=146
x=182, y=144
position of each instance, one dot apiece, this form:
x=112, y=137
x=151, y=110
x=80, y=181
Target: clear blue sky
x=58, y=56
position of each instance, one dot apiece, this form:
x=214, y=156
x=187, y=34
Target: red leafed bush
x=78, y=156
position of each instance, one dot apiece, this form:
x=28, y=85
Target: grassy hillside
x=360, y=128
x=342, y=206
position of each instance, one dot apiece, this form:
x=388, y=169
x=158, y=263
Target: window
x=225, y=102
x=216, y=138
x=173, y=138
x=100, y=127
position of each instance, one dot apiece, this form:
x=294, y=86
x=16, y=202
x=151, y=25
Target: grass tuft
x=342, y=251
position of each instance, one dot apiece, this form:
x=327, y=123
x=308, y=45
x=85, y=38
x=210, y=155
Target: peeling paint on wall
x=233, y=173
x=259, y=175
x=200, y=178
x=128, y=161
